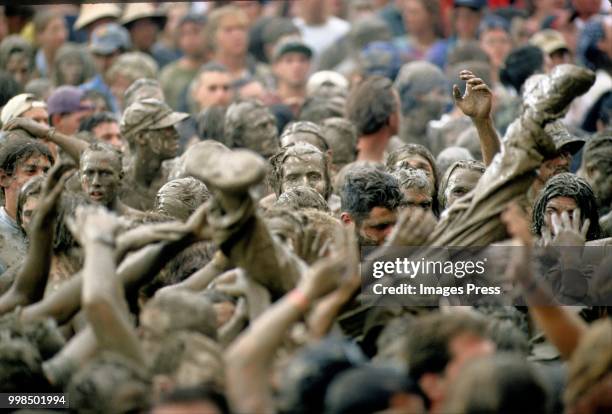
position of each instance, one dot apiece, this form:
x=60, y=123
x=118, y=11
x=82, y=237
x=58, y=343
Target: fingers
x=585, y=227
x=475, y=82
x=9, y=125
x=556, y=223
x=59, y=187
x=456, y=93
x=56, y=172
x=565, y=221
x=466, y=75
x=546, y=236
x=482, y=87
x=576, y=220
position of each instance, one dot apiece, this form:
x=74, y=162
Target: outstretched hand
x=31, y=126
x=338, y=270
x=53, y=186
x=566, y=232
x=94, y=223
x=413, y=228
x=477, y=100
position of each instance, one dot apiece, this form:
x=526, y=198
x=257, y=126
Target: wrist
x=104, y=239
x=485, y=120
x=50, y=134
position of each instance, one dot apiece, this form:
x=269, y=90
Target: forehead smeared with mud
x=413, y=179
x=302, y=197
x=108, y=152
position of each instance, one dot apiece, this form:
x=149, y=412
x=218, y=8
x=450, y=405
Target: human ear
x=5, y=179
x=432, y=386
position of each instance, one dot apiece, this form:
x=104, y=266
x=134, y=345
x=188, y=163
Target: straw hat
x=137, y=11
x=89, y=13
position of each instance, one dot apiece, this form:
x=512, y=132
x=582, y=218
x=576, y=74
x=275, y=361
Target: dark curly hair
x=367, y=188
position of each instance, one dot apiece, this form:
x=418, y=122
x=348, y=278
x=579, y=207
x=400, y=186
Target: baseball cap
x=472, y=4
x=196, y=18
x=109, y=38
x=89, y=13
x=66, y=99
x=491, y=22
x=149, y=114
x=549, y=41
x=19, y=104
x=326, y=78
x=291, y=44
x=137, y=11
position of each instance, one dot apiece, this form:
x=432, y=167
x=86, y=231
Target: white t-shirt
x=319, y=38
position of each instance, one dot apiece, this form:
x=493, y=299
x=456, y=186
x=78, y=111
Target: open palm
x=477, y=99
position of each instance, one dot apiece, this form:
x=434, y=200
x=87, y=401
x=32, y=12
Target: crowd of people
x=189, y=191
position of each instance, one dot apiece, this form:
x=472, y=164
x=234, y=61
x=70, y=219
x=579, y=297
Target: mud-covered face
x=559, y=164
x=100, y=177
x=306, y=170
x=260, y=133
x=418, y=197
x=416, y=162
x=600, y=182
x=374, y=229
x=460, y=182
x=71, y=70
x=28, y=209
x=164, y=142
x=19, y=67
x=558, y=205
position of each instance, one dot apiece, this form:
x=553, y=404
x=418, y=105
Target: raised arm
x=135, y=270
x=71, y=145
x=476, y=103
x=103, y=298
x=563, y=328
x=249, y=359
x=29, y=285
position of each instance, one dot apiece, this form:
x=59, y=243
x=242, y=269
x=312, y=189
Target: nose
x=564, y=159
x=95, y=179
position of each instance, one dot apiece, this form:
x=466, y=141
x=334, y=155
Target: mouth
x=96, y=195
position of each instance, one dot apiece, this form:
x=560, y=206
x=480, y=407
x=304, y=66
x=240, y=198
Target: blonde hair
x=215, y=18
